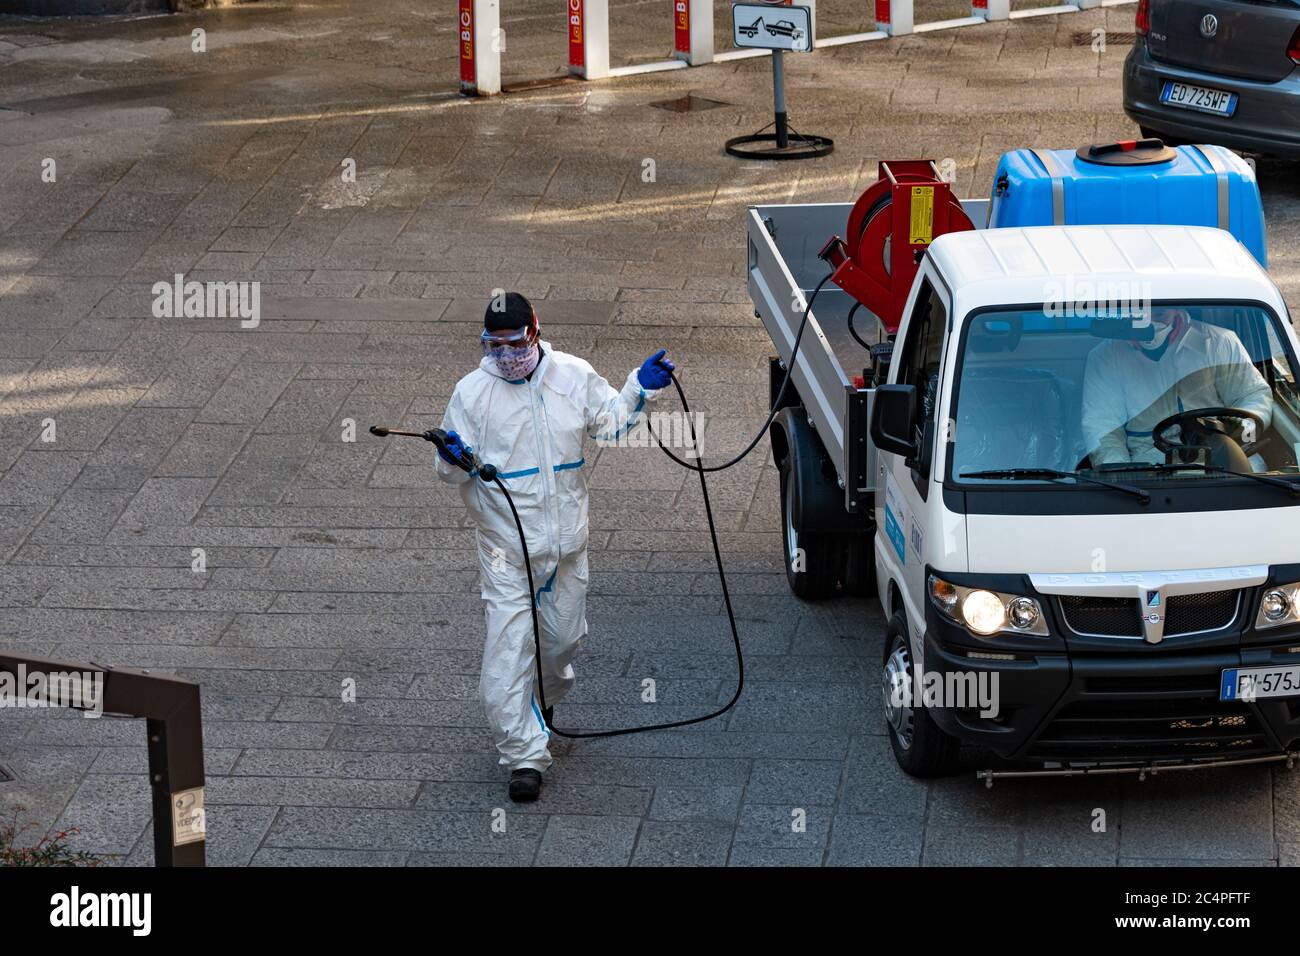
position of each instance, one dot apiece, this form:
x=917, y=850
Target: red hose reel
x=889, y=229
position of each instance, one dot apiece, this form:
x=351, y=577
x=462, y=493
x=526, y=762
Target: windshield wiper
x=1166, y=468
x=1056, y=474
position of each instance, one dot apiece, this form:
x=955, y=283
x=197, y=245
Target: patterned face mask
x=516, y=363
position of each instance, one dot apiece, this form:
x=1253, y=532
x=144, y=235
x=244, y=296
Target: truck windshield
x=1122, y=397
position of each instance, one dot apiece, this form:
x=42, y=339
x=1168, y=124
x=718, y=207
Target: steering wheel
x=1186, y=417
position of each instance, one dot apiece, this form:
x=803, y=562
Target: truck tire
x=812, y=560
x=921, y=748
x=812, y=508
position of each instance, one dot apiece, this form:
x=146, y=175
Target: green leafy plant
x=51, y=850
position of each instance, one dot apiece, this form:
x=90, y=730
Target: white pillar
x=1086, y=4
x=894, y=17
x=480, y=40
x=588, y=22
x=693, y=31
x=991, y=9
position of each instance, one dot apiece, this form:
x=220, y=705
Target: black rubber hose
x=699, y=468
x=854, y=332
x=726, y=598
x=776, y=405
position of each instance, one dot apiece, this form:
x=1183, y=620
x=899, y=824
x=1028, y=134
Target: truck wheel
x=921, y=748
x=811, y=564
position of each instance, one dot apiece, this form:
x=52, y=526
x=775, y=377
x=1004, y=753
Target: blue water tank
x=1138, y=182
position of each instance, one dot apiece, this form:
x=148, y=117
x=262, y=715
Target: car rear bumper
x=1266, y=120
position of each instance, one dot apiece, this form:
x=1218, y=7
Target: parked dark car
x=1217, y=71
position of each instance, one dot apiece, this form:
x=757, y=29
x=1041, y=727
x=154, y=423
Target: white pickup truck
x=1081, y=517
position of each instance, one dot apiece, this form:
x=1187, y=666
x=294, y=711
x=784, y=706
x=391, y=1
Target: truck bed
x=783, y=244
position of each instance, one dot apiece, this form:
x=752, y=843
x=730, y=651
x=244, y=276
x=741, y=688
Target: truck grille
x=1103, y=616
x=1187, y=720
x=1120, y=617
x=1209, y=611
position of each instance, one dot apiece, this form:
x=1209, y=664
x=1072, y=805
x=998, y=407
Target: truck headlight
x=1279, y=605
x=1023, y=613
x=985, y=612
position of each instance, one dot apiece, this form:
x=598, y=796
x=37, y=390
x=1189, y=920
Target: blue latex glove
x=655, y=371
x=455, y=446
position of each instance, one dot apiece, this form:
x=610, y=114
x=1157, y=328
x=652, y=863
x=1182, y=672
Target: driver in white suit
x=1130, y=387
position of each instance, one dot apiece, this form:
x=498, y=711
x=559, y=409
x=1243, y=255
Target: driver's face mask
x=1162, y=330
x=1164, y=323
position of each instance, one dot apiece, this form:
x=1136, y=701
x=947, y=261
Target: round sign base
x=764, y=146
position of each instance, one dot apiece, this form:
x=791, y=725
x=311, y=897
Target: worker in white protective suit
x=1131, y=386
x=526, y=409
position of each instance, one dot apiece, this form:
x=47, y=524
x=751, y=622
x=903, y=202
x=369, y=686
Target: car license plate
x=1185, y=96
x=1253, y=683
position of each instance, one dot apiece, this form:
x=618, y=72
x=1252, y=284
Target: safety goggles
x=509, y=338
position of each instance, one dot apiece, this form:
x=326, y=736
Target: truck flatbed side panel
x=783, y=270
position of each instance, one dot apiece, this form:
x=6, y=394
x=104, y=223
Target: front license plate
x=1254, y=683
x=1203, y=99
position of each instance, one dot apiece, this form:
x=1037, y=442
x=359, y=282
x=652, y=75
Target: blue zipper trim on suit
x=540, y=437
x=537, y=471
x=631, y=419
x=550, y=582
x=532, y=700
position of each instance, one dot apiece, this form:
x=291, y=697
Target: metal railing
x=174, y=728
x=480, y=38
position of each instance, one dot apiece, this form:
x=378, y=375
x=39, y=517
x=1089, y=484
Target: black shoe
x=525, y=785
x=548, y=715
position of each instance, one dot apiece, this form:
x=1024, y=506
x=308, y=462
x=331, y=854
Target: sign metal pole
x=776, y=28
x=778, y=100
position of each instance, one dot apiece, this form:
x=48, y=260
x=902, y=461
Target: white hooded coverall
x=1126, y=394
x=533, y=431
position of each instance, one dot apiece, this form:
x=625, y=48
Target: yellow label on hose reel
x=921, y=232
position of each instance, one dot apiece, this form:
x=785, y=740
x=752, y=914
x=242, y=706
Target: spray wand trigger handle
x=465, y=460
x=439, y=438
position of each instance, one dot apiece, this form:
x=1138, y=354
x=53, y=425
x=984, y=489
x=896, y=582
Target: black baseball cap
x=508, y=312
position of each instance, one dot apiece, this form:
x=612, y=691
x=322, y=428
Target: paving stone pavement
x=329, y=559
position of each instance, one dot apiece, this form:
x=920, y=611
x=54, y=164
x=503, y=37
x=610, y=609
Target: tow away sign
x=770, y=27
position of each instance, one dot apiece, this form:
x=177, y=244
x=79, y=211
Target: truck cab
x=1087, y=501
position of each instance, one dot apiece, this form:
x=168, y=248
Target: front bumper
x=1137, y=703
x=1267, y=118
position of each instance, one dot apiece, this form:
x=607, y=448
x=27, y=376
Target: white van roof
x=1020, y=266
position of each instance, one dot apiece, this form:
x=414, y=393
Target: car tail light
x=1142, y=23
x=1293, y=51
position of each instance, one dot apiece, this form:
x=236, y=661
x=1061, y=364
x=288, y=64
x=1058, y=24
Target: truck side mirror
x=893, y=420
